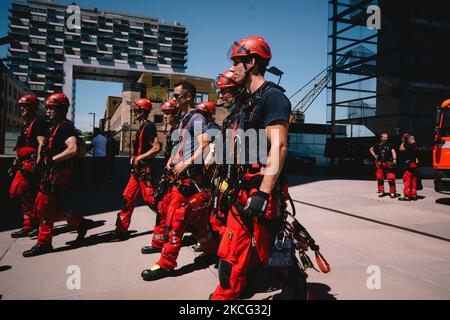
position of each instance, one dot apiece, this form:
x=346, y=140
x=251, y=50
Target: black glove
x=257, y=205
x=48, y=161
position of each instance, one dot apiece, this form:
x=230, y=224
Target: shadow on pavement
x=444, y=201
x=188, y=269
x=320, y=291
x=66, y=228
x=4, y=268
x=104, y=237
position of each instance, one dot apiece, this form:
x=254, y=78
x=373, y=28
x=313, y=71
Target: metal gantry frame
x=347, y=16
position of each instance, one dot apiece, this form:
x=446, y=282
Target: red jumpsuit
x=24, y=189
x=241, y=248
x=411, y=170
x=180, y=215
x=140, y=179
x=244, y=245
x=385, y=170
x=159, y=231
x=23, y=185
x=410, y=182
x=385, y=167
x=51, y=201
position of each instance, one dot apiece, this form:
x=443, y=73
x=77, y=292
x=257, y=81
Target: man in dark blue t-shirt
x=267, y=114
x=187, y=198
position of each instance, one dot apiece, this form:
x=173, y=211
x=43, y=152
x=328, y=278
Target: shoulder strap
x=52, y=136
x=184, y=127
x=141, y=134
x=28, y=136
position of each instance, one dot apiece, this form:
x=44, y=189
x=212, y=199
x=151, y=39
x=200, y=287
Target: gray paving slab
x=412, y=266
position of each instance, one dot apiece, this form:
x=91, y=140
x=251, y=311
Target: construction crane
x=313, y=88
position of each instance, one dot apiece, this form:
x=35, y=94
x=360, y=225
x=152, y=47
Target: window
x=159, y=119
x=201, y=96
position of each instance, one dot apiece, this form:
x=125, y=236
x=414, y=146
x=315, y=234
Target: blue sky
x=295, y=29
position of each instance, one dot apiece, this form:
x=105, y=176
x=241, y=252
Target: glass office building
x=392, y=78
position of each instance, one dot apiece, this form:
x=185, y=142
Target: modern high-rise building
x=52, y=44
x=390, y=62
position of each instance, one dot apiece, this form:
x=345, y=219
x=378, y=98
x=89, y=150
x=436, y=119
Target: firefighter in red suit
x=385, y=161
x=188, y=197
x=56, y=165
x=25, y=181
x=160, y=236
x=411, y=162
x=248, y=234
x=146, y=147
x=228, y=91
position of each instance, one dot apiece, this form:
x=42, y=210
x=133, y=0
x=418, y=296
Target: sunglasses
x=178, y=95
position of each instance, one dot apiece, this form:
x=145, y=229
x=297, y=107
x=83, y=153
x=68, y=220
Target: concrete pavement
x=411, y=265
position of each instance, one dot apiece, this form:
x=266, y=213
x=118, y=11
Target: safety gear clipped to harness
x=303, y=242
x=283, y=252
x=197, y=198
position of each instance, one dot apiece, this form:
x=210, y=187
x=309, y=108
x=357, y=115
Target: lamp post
x=93, y=121
x=276, y=72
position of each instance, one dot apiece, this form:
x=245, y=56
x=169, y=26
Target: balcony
x=18, y=32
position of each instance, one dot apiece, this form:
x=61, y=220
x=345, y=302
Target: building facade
x=392, y=78
x=49, y=50
x=11, y=89
x=157, y=88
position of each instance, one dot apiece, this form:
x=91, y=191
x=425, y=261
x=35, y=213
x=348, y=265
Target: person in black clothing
x=385, y=161
x=28, y=149
x=146, y=145
x=56, y=161
x=411, y=163
x=259, y=200
x=171, y=118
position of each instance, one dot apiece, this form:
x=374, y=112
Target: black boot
x=156, y=274
x=404, y=199
x=150, y=249
x=21, y=233
x=38, y=249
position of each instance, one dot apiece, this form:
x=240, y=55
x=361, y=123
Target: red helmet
x=225, y=79
x=208, y=107
x=251, y=45
x=169, y=105
x=142, y=103
x=57, y=100
x=29, y=100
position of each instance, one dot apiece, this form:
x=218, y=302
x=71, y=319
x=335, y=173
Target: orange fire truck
x=441, y=150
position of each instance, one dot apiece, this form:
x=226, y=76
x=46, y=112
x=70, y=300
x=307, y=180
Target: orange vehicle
x=441, y=150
